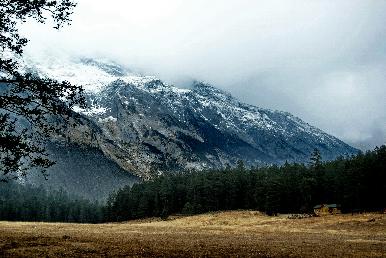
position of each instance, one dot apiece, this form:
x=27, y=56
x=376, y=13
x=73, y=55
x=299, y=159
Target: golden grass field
x=222, y=234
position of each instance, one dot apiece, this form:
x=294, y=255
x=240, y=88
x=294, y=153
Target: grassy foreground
x=223, y=234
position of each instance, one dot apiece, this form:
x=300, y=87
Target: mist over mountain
x=146, y=127
x=323, y=61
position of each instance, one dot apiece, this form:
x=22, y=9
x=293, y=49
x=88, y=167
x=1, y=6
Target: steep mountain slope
x=82, y=171
x=148, y=127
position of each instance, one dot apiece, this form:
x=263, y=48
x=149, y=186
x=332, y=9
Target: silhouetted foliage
x=31, y=107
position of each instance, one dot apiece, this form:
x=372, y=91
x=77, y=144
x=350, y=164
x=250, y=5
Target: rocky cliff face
x=148, y=127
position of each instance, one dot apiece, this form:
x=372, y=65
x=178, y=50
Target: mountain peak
x=107, y=66
x=207, y=89
x=149, y=127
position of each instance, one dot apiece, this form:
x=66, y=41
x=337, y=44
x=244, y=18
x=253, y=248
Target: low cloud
x=324, y=61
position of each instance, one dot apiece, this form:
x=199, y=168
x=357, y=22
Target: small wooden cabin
x=327, y=209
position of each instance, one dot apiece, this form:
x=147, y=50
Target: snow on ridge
x=92, y=111
x=90, y=76
x=107, y=119
x=93, y=78
x=91, y=73
x=137, y=80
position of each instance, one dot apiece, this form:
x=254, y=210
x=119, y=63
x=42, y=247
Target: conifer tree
x=316, y=159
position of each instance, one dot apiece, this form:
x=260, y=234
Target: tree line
x=30, y=203
x=358, y=183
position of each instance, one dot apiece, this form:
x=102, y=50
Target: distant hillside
x=82, y=171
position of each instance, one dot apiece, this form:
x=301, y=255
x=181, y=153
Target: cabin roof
x=333, y=205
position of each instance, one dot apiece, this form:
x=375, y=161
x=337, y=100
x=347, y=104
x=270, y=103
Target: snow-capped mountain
x=148, y=127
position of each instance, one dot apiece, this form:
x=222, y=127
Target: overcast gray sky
x=323, y=61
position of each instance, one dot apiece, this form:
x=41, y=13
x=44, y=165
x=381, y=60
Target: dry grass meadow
x=223, y=234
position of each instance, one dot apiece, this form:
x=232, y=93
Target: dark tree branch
x=29, y=104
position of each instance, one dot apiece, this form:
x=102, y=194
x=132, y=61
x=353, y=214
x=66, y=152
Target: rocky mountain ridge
x=148, y=127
